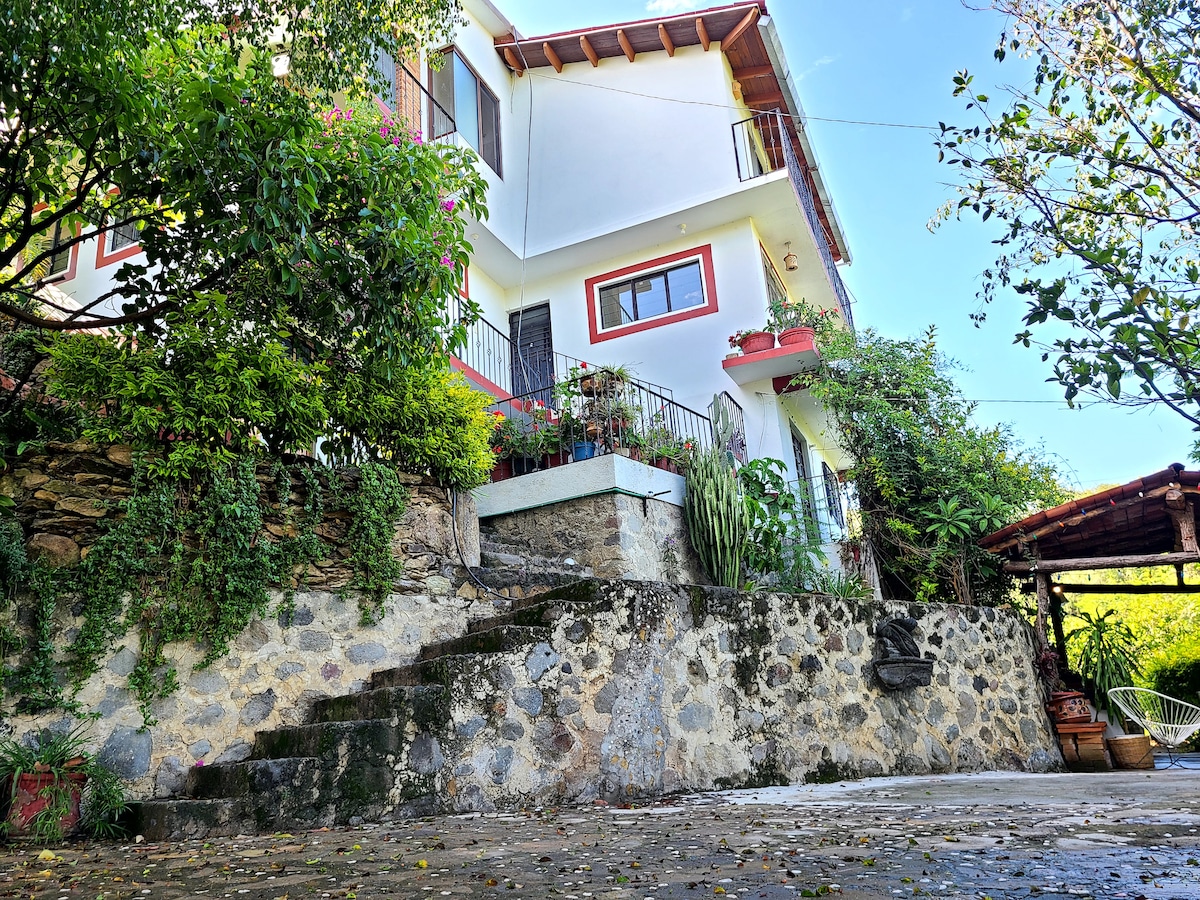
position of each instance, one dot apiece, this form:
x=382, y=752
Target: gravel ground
x=1122, y=834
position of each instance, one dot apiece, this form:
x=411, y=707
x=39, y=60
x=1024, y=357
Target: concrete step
x=370, y=740
x=426, y=706
x=491, y=640
x=185, y=819
x=250, y=777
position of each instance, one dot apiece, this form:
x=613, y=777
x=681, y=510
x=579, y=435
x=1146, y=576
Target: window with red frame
x=655, y=293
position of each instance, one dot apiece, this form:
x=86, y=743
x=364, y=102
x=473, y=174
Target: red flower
x=583, y=365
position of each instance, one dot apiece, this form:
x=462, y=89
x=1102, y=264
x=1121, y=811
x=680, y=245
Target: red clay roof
x=1127, y=519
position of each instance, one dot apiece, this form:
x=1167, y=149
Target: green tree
x=291, y=247
x=1093, y=171
x=929, y=481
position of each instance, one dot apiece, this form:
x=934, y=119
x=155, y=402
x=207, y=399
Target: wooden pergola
x=1148, y=522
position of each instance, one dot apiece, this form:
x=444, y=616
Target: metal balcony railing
x=530, y=374
x=762, y=146
x=824, y=505
x=595, y=412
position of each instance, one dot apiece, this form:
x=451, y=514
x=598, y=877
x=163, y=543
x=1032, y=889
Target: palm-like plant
x=1107, y=655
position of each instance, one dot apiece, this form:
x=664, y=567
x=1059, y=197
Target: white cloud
x=669, y=7
x=823, y=61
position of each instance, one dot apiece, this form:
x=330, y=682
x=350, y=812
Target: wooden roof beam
x=514, y=62
x=623, y=40
x=751, y=71
x=667, y=43
x=589, y=51
x=1083, y=564
x=554, y=58
x=740, y=28
x=702, y=33
x=764, y=100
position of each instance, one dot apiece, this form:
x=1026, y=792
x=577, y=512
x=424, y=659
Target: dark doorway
x=533, y=353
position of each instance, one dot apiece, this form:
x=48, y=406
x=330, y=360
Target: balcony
x=763, y=145
x=780, y=364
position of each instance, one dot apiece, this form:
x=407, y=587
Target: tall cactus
x=716, y=516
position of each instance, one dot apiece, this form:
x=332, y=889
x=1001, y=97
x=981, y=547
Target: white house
x=650, y=186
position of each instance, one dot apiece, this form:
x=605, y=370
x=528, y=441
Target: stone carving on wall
x=900, y=664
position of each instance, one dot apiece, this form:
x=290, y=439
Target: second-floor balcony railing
x=762, y=145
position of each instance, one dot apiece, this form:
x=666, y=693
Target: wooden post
x=1042, y=581
x=1183, y=519
x=1056, y=621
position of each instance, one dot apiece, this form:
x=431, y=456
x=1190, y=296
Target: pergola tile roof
x=1130, y=519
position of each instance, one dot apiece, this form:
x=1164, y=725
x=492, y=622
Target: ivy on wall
x=192, y=561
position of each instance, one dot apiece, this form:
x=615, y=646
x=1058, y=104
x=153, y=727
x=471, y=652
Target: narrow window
x=460, y=93
x=61, y=260
x=776, y=292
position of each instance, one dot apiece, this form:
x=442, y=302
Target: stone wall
x=615, y=535
x=648, y=689
x=277, y=667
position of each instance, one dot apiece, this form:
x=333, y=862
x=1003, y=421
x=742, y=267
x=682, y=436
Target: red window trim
x=107, y=259
x=704, y=254
x=72, y=263
x=72, y=257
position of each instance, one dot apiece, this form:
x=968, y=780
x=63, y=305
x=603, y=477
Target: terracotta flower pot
x=29, y=800
x=793, y=336
x=502, y=470
x=1069, y=707
x=757, y=341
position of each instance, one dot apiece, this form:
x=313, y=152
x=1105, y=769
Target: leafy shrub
x=1177, y=672
x=424, y=421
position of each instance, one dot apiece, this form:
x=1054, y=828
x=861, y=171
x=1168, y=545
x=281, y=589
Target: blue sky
x=892, y=62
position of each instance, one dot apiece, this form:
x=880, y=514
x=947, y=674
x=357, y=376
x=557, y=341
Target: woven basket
x=1131, y=751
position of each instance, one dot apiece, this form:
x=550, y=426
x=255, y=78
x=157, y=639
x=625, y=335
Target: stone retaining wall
x=646, y=689
x=614, y=535
x=277, y=667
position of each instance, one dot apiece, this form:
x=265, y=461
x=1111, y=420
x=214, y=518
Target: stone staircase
x=375, y=754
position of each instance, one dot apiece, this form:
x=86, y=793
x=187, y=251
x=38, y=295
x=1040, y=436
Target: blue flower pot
x=583, y=450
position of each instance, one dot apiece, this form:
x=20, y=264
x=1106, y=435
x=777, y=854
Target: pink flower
x=448, y=205
x=447, y=262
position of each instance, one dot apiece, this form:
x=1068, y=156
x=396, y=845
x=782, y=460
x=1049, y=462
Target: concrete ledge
x=610, y=473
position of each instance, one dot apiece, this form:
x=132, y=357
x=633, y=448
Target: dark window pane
x=123, y=236
x=687, y=289
x=61, y=260
x=616, y=305
x=489, y=123
x=387, y=71
x=651, y=296
x=443, y=93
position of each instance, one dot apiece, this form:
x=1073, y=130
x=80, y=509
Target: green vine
x=194, y=561
x=376, y=506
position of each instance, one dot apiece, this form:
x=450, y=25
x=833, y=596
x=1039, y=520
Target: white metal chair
x=1169, y=721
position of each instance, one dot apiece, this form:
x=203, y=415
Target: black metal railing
x=530, y=374
x=823, y=505
x=725, y=407
x=594, y=412
x=443, y=123
x=762, y=146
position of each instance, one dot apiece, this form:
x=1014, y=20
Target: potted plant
x=752, y=340
x=797, y=321
x=572, y=437
x=55, y=786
